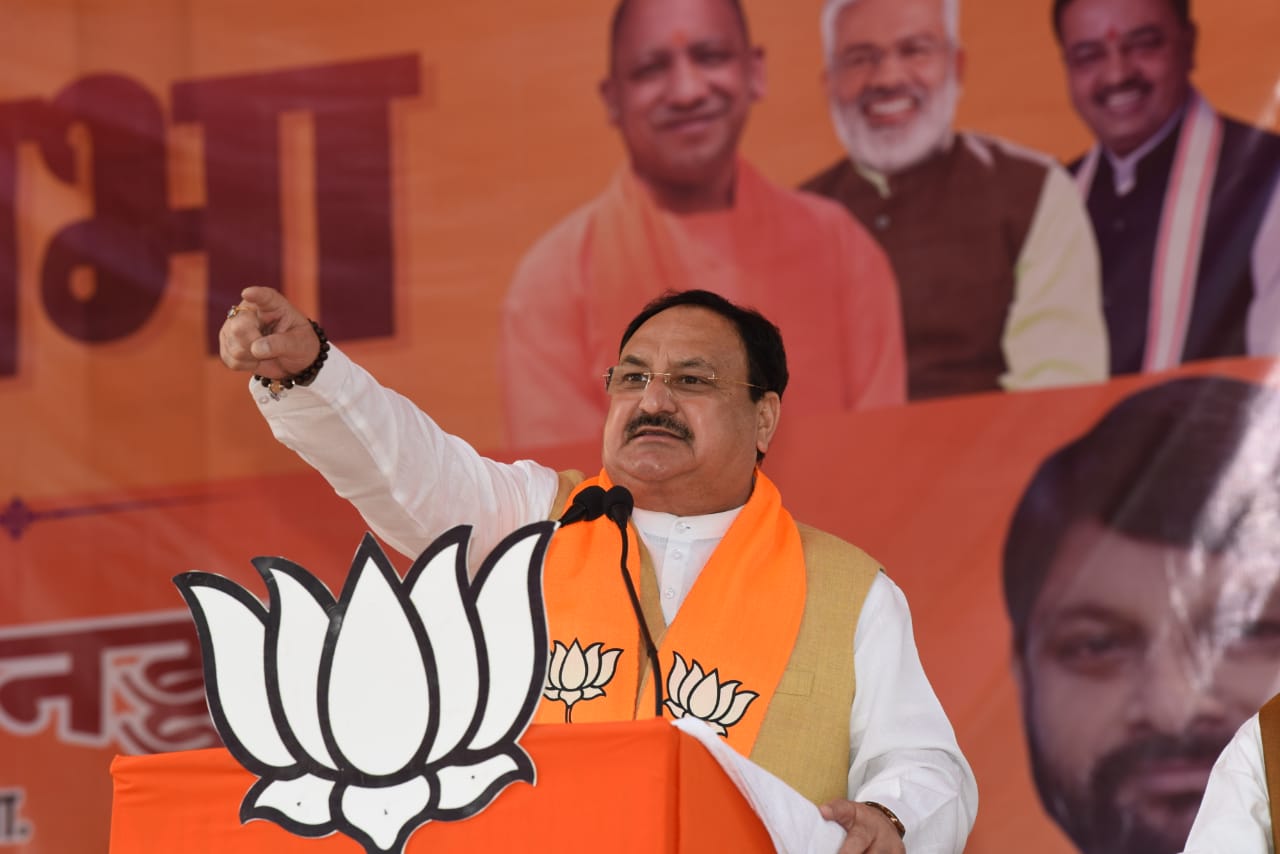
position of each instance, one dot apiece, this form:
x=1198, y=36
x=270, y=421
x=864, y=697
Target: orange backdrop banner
x=388, y=169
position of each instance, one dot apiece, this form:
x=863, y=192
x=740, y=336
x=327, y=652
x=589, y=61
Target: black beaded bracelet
x=307, y=374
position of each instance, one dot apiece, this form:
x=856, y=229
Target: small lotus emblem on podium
x=394, y=705
x=577, y=674
x=691, y=693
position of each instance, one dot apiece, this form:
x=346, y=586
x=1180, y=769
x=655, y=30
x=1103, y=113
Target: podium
x=630, y=786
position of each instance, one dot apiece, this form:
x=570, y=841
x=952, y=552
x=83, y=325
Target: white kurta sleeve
x=1262, y=329
x=410, y=480
x=1056, y=334
x=1235, y=814
x=904, y=752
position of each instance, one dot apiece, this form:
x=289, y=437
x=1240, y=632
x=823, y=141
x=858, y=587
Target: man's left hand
x=867, y=830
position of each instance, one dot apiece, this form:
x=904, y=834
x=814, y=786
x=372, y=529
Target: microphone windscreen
x=586, y=505
x=618, y=504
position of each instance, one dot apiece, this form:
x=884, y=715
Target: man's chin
x=895, y=146
x=651, y=456
x=1127, y=831
x=1138, y=840
x=889, y=150
x=1122, y=141
x=1103, y=819
x=692, y=166
x=1164, y=827
x=646, y=441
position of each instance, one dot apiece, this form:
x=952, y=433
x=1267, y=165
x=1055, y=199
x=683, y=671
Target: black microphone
x=587, y=505
x=617, y=505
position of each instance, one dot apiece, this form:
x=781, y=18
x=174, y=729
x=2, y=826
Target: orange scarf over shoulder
x=721, y=658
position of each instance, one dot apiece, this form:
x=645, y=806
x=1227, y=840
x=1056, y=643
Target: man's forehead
x=1100, y=565
x=646, y=24
x=1108, y=20
x=684, y=334
x=880, y=20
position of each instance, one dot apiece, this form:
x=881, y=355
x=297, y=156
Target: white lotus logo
x=397, y=704
x=576, y=674
x=691, y=693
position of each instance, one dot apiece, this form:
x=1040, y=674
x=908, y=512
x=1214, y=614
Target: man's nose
x=889, y=70
x=1174, y=691
x=688, y=82
x=1116, y=66
x=657, y=396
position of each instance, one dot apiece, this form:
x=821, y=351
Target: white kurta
x=1235, y=815
x=411, y=481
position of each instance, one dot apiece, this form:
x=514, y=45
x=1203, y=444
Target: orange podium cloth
x=629, y=786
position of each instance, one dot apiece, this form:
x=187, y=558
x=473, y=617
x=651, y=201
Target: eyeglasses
x=621, y=380
x=913, y=53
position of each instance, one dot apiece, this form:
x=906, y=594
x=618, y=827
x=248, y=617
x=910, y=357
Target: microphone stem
x=650, y=650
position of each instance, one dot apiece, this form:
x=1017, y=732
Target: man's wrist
x=891, y=815
x=304, y=377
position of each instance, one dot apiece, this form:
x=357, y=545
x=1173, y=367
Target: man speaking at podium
x=755, y=624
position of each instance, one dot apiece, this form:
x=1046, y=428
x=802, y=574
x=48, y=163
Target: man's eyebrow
x=649, y=54
x=710, y=41
x=692, y=362
x=1145, y=30
x=1247, y=599
x=914, y=36
x=715, y=41
x=855, y=46
x=1084, y=43
x=1085, y=611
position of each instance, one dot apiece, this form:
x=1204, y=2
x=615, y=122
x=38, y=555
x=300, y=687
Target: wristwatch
x=889, y=814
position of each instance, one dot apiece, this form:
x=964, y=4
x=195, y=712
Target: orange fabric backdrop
x=130, y=459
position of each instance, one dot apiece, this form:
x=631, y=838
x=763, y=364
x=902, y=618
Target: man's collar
x=708, y=526
x=628, y=175
x=1124, y=168
x=883, y=183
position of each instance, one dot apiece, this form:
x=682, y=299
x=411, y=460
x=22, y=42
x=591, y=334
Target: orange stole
x=740, y=620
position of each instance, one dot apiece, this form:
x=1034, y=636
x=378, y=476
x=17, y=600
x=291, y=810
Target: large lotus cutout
x=397, y=704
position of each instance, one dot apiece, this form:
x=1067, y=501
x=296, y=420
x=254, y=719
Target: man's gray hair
x=832, y=8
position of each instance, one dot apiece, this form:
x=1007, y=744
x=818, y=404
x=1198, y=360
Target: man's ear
x=1019, y=665
x=961, y=61
x=609, y=95
x=757, y=80
x=768, y=413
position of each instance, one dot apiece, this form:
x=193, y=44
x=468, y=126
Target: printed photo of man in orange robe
x=687, y=211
